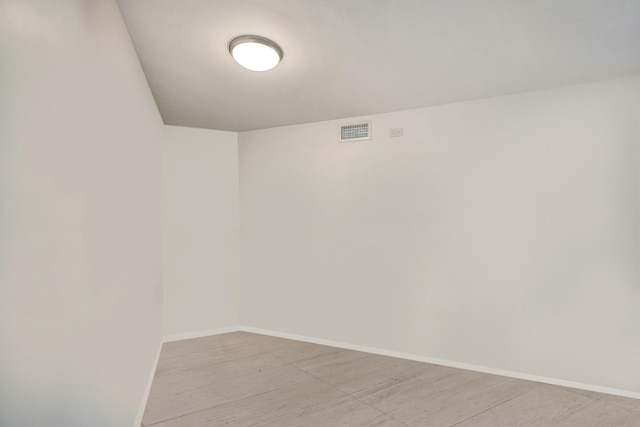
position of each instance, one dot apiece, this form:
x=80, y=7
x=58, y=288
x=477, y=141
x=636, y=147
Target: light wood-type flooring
x=244, y=379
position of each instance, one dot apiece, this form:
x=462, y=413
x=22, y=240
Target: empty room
x=319, y=213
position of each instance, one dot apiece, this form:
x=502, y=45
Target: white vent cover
x=355, y=131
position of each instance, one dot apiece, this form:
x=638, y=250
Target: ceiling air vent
x=355, y=132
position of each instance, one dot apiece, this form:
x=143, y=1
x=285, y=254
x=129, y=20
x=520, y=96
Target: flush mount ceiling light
x=255, y=53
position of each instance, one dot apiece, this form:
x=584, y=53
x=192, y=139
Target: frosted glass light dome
x=255, y=53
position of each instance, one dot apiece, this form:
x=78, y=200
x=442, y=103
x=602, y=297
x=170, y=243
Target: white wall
x=200, y=229
x=80, y=217
x=501, y=232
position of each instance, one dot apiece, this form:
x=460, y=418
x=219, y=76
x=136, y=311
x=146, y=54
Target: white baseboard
x=199, y=334
x=147, y=390
x=442, y=362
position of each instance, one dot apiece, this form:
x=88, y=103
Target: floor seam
x=579, y=409
x=312, y=377
x=621, y=406
x=337, y=389
x=231, y=401
x=435, y=393
x=496, y=405
x=356, y=398
x=225, y=403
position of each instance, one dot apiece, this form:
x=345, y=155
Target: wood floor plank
x=592, y=394
x=462, y=402
x=184, y=380
x=361, y=375
x=344, y=411
x=262, y=408
x=422, y=387
x=196, y=399
x=333, y=358
x=204, y=358
x=193, y=345
x=268, y=343
x=543, y=406
x=383, y=420
x=625, y=402
x=602, y=413
x=299, y=352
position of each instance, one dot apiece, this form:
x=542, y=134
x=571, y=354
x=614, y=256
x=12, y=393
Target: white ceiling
x=345, y=58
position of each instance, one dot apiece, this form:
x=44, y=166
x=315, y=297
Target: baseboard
x=199, y=334
x=147, y=390
x=442, y=362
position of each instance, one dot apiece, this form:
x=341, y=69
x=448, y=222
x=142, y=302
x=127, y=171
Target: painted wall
x=80, y=217
x=200, y=229
x=502, y=232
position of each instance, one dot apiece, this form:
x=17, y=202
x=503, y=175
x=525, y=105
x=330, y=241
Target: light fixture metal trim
x=256, y=39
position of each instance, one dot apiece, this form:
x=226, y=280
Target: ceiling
x=345, y=58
